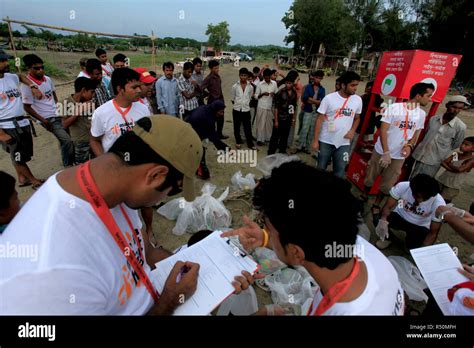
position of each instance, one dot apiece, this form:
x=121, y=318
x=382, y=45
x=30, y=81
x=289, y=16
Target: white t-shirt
x=109, y=123
x=420, y=215
x=107, y=69
x=10, y=101
x=383, y=294
x=83, y=74
x=45, y=106
x=342, y=118
x=77, y=268
x=395, y=115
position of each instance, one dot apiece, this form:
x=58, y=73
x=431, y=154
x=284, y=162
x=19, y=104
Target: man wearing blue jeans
x=336, y=123
x=44, y=110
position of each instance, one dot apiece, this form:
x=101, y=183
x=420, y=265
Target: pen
x=183, y=270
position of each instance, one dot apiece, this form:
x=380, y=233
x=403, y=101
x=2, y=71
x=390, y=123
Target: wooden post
x=153, y=52
x=12, y=42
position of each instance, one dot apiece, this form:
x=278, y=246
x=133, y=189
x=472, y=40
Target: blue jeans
x=340, y=158
x=82, y=151
x=67, y=146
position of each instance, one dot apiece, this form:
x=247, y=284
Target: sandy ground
x=47, y=161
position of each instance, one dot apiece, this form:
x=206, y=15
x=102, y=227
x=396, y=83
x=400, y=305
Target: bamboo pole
x=8, y=20
x=12, y=42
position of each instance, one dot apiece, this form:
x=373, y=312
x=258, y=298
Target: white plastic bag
x=172, y=209
x=290, y=285
x=215, y=216
x=273, y=161
x=188, y=221
x=244, y=303
x=243, y=183
x=410, y=278
x=268, y=261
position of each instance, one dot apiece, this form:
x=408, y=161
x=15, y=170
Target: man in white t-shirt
x=70, y=262
x=411, y=208
x=44, y=109
x=333, y=256
x=15, y=129
x=399, y=132
x=336, y=123
x=118, y=115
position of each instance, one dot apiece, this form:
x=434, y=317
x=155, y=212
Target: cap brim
x=188, y=188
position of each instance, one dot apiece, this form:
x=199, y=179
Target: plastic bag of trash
x=189, y=220
x=243, y=183
x=273, y=161
x=410, y=278
x=268, y=261
x=172, y=209
x=290, y=285
x=244, y=303
x=215, y=215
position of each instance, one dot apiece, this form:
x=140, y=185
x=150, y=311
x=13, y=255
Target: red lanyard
x=336, y=291
x=405, y=129
x=338, y=112
x=91, y=191
x=123, y=113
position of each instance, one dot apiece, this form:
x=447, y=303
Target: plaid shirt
x=101, y=95
x=185, y=85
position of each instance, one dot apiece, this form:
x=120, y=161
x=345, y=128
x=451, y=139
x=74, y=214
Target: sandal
x=25, y=184
x=37, y=186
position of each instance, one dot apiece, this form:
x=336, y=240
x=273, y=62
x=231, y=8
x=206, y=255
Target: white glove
x=382, y=229
x=385, y=160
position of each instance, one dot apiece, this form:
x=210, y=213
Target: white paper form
x=219, y=263
x=439, y=266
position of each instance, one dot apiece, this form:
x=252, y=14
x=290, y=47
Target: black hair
x=369, y=84
x=303, y=219
x=420, y=88
x=197, y=60
x=250, y=74
x=84, y=82
x=188, y=65
x=120, y=77
x=6, y=189
x=213, y=63
x=291, y=76
x=256, y=70
x=338, y=80
x=274, y=71
x=469, y=139
x=267, y=72
x=32, y=59
x=152, y=73
x=93, y=64
x=424, y=185
x=119, y=57
x=133, y=151
x=168, y=65
x=318, y=73
x=243, y=71
x=348, y=77
x=99, y=52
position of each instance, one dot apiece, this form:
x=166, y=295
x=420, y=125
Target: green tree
x=320, y=21
x=219, y=35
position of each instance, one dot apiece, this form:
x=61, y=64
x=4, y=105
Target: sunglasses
x=41, y=67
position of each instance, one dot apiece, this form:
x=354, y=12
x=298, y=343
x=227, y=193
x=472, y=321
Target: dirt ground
x=47, y=161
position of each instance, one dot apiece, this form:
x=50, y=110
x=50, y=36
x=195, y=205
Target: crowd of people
x=129, y=139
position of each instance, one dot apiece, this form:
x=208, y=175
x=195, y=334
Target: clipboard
x=220, y=260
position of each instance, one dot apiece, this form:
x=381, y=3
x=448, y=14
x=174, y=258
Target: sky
x=251, y=22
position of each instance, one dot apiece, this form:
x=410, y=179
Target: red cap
x=145, y=76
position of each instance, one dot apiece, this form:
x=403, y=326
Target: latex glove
x=382, y=229
x=385, y=160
